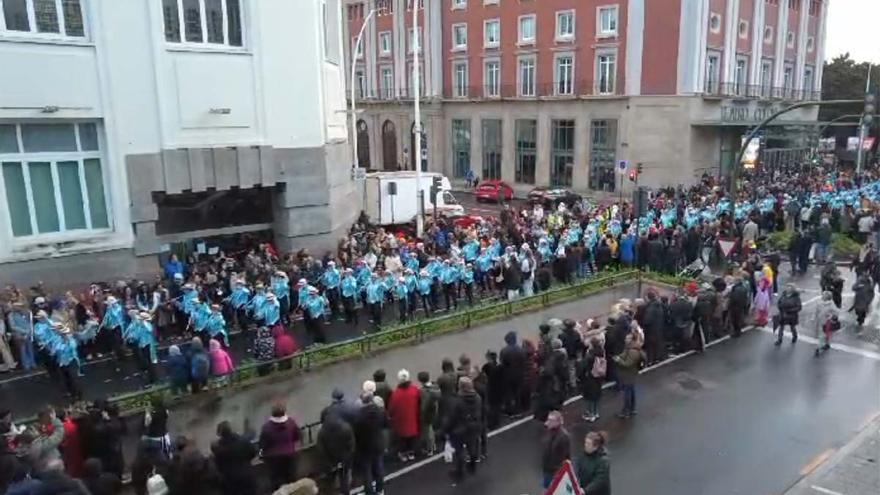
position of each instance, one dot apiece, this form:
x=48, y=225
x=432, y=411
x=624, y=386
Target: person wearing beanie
x=429, y=407
x=463, y=427
x=403, y=414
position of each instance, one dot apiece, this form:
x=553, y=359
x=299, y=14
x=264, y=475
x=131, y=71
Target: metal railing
x=734, y=90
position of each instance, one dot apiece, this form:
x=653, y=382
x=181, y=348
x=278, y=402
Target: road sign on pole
x=564, y=482
x=622, y=165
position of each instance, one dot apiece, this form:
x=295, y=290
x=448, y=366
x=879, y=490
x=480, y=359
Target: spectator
x=429, y=403
x=232, y=456
x=336, y=444
x=200, y=365
x=278, y=440
x=628, y=364
x=221, y=363
x=591, y=373
x=339, y=408
x=463, y=427
x=403, y=414
x=55, y=481
x=789, y=307
x=555, y=448
x=513, y=364
x=71, y=446
x=264, y=350
x=44, y=447
x=495, y=393
x=197, y=474
x=369, y=430
x=98, y=481
x=285, y=346
x=177, y=370
x=174, y=268
x=592, y=468
x=382, y=389
x=104, y=437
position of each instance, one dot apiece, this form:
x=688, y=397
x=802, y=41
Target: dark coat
x=178, y=369
x=279, y=437
x=864, y=295
x=681, y=312
x=653, y=319
x=466, y=417
x=555, y=449
x=495, y=381
x=513, y=361
x=232, y=456
x=738, y=300
x=590, y=386
x=789, y=307
x=383, y=391
x=594, y=473
x=628, y=364
x=369, y=428
x=336, y=440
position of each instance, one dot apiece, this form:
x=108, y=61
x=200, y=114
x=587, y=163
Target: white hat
x=178, y=276
x=403, y=375
x=156, y=485
x=39, y=300
x=369, y=386
x=109, y=300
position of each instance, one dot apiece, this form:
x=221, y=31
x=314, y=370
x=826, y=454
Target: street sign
x=622, y=165
x=359, y=173
x=726, y=247
x=564, y=482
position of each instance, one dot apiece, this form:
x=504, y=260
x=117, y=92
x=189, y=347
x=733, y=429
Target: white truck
x=391, y=197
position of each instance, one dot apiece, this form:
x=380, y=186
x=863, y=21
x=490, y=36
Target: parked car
x=493, y=190
x=550, y=198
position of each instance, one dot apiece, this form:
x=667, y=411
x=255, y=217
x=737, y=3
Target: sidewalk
x=852, y=470
x=307, y=394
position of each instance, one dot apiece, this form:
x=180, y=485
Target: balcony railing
x=547, y=90
x=733, y=90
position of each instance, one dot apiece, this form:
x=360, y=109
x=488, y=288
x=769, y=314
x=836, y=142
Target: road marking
x=816, y=462
x=839, y=347
x=824, y=490
x=526, y=419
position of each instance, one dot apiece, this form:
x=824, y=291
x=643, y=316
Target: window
x=564, y=74
x=768, y=34
x=491, y=149
x=561, y=153
x=361, y=81
x=606, y=70
x=459, y=4
x=385, y=43
x=808, y=82
x=789, y=40
x=527, y=29
x=607, y=20
x=527, y=76
x=715, y=22
x=788, y=80
x=743, y=29
x=492, y=33
x=492, y=78
x=603, y=152
x=565, y=25
x=461, y=147
x=460, y=79
x=415, y=39
x=526, y=150
x=384, y=7
x=712, y=66
x=215, y=22
x=387, y=82
x=412, y=86
x=357, y=48
x=459, y=36
x=740, y=75
x=811, y=43
x=43, y=18
x=766, y=77
x=53, y=178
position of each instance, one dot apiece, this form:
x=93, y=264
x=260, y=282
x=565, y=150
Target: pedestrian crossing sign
x=564, y=482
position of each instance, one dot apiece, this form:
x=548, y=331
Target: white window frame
x=741, y=75
x=34, y=34
x=357, y=48
x=788, y=80
x=459, y=4
x=789, y=39
x=768, y=35
x=492, y=86
x=712, y=76
x=811, y=44
x=491, y=2
x=712, y=16
x=808, y=89
x=743, y=29
x=557, y=82
x=519, y=76
x=486, y=42
x=459, y=87
x=456, y=46
x=613, y=74
x=204, y=44
x=387, y=90
x=766, y=89
x=413, y=38
x=560, y=36
x=607, y=33
x=521, y=38
x=24, y=158
x=360, y=79
x=383, y=37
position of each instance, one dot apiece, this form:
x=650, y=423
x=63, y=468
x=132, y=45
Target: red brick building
x=558, y=92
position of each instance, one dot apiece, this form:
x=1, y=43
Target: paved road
x=745, y=418
x=485, y=209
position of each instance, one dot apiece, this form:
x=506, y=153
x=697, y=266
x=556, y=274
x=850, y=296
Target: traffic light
x=436, y=183
x=639, y=168
x=633, y=175
x=868, y=114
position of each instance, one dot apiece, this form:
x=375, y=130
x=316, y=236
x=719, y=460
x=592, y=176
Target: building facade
x=129, y=126
x=559, y=92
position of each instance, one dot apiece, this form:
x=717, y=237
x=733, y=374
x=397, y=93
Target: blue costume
x=216, y=325
x=187, y=300
x=280, y=286
x=199, y=316
x=255, y=305
x=331, y=278
x=239, y=297
x=375, y=292
x=269, y=312
x=316, y=305
x=349, y=286
x=113, y=317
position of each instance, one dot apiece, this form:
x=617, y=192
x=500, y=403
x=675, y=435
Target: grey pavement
x=308, y=393
x=852, y=470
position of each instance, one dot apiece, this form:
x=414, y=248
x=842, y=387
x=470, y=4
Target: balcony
x=733, y=90
x=541, y=91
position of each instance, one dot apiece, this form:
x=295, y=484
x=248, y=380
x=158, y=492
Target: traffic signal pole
x=867, y=117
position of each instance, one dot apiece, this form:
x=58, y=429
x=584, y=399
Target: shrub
x=844, y=246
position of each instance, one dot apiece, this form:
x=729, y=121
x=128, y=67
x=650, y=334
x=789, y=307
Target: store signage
x=746, y=113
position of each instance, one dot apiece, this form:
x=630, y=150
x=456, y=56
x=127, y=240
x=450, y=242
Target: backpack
x=600, y=366
x=200, y=366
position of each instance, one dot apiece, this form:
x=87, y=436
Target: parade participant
x=315, y=307
x=216, y=325
x=401, y=293
x=67, y=358
x=331, y=280
x=269, y=312
x=110, y=331
x=349, y=290
x=188, y=298
x=449, y=278
x=21, y=328
x=789, y=307
x=198, y=316
x=144, y=342
x=238, y=300
x=826, y=322
x=466, y=274
x=375, y=299
x=280, y=285
x=45, y=339
x=425, y=288
x=255, y=305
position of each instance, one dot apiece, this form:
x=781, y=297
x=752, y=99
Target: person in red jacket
x=403, y=413
x=71, y=447
x=285, y=346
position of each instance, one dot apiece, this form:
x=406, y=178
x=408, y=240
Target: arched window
x=412, y=146
x=389, y=146
x=363, y=146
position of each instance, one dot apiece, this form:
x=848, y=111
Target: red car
x=493, y=190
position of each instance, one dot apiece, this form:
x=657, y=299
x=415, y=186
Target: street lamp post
x=864, y=122
x=417, y=126
x=354, y=59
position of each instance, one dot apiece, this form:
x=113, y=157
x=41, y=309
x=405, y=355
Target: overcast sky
x=854, y=27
